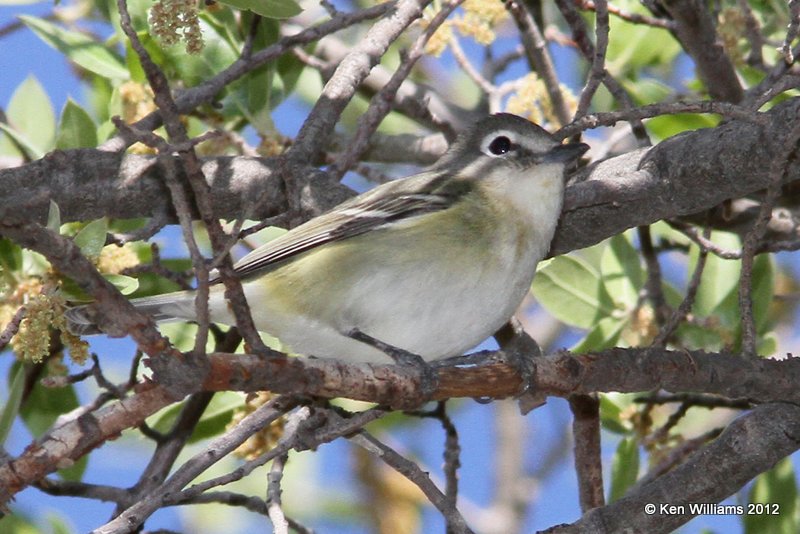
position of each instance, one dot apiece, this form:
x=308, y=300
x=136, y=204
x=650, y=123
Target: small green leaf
x=720, y=277
x=622, y=272
x=74, y=472
x=57, y=524
x=29, y=149
x=271, y=9
x=44, y=405
x=125, y=284
x=604, y=335
x=31, y=119
x=773, y=499
x=11, y=408
x=86, y=52
x=76, y=128
x=611, y=415
x=572, y=291
x=92, y=238
x=213, y=421
x=763, y=292
x=624, y=468
x=767, y=344
x=10, y=255
x=54, y=217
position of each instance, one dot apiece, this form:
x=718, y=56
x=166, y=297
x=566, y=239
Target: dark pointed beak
x=566, y=154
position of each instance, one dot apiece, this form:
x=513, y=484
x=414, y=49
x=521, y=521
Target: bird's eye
x=500, y=145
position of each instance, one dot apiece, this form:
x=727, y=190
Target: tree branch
x=749, y=446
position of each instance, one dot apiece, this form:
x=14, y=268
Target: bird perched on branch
x=431, y=264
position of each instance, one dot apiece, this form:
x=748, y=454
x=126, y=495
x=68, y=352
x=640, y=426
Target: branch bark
x=749, y=446
x=683, y=175
x=486, y=374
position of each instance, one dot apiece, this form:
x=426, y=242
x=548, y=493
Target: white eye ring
x=500, y=142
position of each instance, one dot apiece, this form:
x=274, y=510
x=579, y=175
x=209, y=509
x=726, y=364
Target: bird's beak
x=567, y=154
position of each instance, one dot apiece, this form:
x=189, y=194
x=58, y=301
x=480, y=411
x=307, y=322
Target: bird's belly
x=406, y=306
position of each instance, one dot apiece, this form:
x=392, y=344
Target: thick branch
x=490, y=375
x=484, y=375
x=696, y=32
x=683, y=175
x=749, y=446
x=686, y=174
x=78, y=437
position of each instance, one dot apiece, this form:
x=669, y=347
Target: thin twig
x=409, y=469
x=205, y=93
x=279, y=523
x=755, y=57
x=653, y=289
x=12, y=327
x=588, y=463
x=169, y=490
x=580, y=34
x=675, y=458
x=469, y=69
x=635, y=18
x=695, y=399
x=538, y=57
x=610, y=118
x=703, y=241
x=598, y=70
x=688, y=301
x=791, y=32
x=381, y=103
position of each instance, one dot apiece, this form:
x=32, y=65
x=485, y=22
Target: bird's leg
x=428, y=377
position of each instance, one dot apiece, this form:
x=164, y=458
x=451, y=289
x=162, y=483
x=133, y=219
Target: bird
x=431, y=264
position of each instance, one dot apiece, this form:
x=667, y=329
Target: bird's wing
x=381, y=206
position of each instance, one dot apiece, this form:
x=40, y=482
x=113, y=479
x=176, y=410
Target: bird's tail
x=82, y=320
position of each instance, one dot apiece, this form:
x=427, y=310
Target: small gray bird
x=432, y=264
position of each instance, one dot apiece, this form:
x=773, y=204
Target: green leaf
x=44, y=405
x=213, y=421
x=604, y=335
x=611, y=414
x=624, y=468
x=76, y=128
x=31, y=120
x=84, y=51
x=54, y=217
x=720, y=277
x=125, y=284
x=622, y=272
x=92, y=238
x=252, y=95
x=74, y=472
x=16, y=523
x=654, y=46
x=29, y=149
x=763, y=292
x=10, y=255
x=57, y=524
x=572, y=291
x=773, y=501
x=11, y=408
x=666, y=126
x=271, y=9
x=767, y=344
